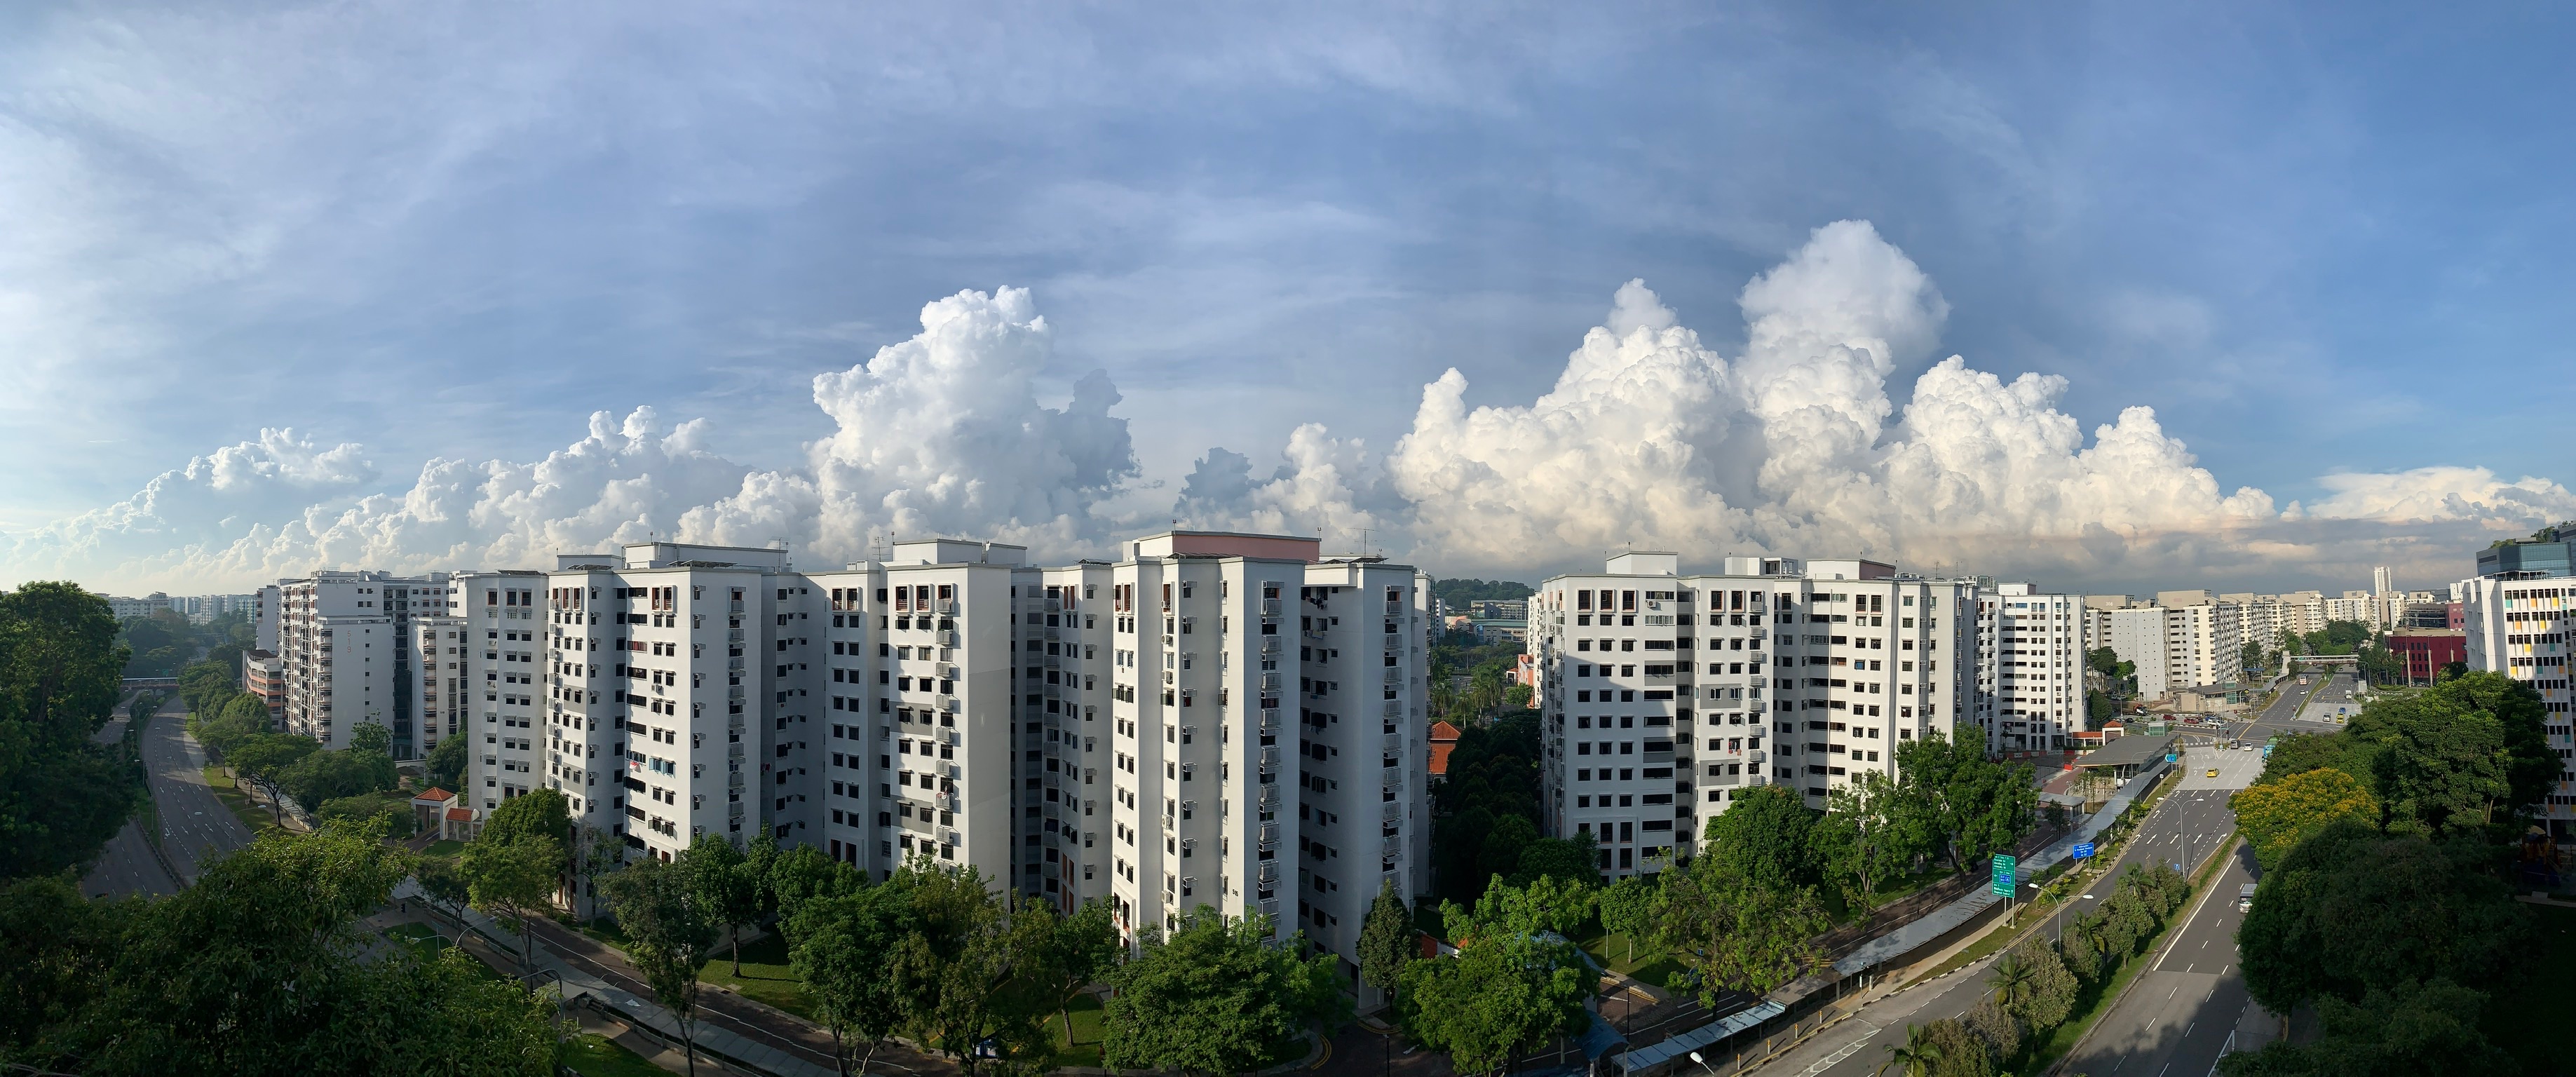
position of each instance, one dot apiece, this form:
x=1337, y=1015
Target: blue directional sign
x=2005, y=876
x=2083, y=850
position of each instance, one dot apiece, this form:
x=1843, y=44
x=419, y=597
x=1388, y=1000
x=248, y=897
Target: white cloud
x=1647, y=436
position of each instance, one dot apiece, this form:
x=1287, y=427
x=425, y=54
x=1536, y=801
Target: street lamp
x=1703, y=1064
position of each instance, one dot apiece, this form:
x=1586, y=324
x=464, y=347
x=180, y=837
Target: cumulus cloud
x=939, y=434
x=1797, y=447
x=1325, y=486
x=1649, y=436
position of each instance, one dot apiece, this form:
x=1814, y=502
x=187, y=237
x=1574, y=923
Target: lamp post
x=1703, y=1064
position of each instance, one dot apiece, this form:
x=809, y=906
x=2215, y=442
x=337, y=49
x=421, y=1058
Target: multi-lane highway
x=195, y=828
x=2181, y=1014
x=2186, y=827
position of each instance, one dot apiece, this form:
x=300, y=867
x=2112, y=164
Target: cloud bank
x=1649, y=436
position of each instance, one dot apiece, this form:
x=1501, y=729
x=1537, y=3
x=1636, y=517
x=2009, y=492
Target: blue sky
x=2315, y=240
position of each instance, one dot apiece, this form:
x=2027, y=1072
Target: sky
x=2107, y=297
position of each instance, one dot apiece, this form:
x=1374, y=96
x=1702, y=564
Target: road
x=2185, y=827
x=196, y=828
x=2187, y=1008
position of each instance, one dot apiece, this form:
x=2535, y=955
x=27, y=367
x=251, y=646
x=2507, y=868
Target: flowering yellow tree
x=2276, y=815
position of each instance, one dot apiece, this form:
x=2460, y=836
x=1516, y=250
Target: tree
x=261, y=967
x=371, y=737
x=1763, y=836
x=1077, y=951
x=961, y=971
x=2011, y=980
x=1216, y=995
x=841, y=959
x=2402, y=1031
x=513, y=878
x=2276, y=815
x=2350, y=910
x=1386, y=941
x=595, y=854
x=1731, y=934
x=1575, y=859
x=2048, y=997
x=1916, y=1057
x=1972, y=806
x=536, y=813
x=1628, y=909
x=1959, y=1052
x=445, y=768
x=330, y=775
x=1548, y=905
x=61, y=796
x=2457, y=754
x=1866, y=836
x=55, y=949
x=1501, y=854
x=668, y=934
x=1501, y=995
x=443, y=884
x=726, y=887
x=800, y=875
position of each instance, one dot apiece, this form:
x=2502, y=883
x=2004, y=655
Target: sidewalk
x=635, y=1009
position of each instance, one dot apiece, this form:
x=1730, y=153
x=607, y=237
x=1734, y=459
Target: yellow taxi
x=2213, y=772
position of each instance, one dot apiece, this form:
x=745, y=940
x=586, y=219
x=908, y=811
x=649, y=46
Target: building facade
x=1215, y=719
x=344, y=647
x=2519, y=625
x=2037, y=648
x=1662, y=695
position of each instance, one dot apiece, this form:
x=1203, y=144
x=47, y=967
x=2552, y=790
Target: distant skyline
x=2107, y=298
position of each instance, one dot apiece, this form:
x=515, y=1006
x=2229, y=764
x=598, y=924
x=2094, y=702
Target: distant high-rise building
x=1665, y=695
x=344, y=647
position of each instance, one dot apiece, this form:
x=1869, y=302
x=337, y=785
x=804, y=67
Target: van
x=2245, y=898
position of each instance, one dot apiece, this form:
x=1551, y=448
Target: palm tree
x=2011, y=980
x=1915, y=1058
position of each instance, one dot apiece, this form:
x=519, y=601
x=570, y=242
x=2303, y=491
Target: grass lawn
x=252, y=815
x=765, y=976
x=1084, y=1048
x=427, y=941
x=444, y=847
x=594, y=1055
x=1648, y=965
x=2526, y=1018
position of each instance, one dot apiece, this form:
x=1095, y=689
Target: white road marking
x=1844, y=1052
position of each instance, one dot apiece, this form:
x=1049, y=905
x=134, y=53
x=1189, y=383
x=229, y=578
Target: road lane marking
x=1846, y=1051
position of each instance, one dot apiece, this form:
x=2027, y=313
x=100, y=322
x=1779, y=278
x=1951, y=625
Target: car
x=2213, y=772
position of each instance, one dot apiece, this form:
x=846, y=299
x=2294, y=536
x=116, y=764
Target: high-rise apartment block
x=343, y=648
x=1663, y=695
x=1214, y=719
x=2031, y=661
x=2519, y=623
x=2186, y=639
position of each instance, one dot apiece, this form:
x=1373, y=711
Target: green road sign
x=2005, y=879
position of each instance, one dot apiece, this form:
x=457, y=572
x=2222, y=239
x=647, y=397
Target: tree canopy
x=1217, y=996
x=260, y=967
x=61, y=796
x=2351, y=909
x=2277, y=815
